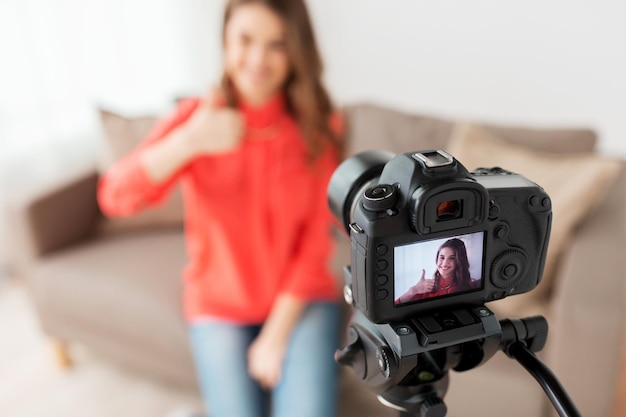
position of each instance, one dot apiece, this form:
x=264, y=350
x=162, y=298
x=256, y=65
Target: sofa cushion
x=121, y=135
x=371, y=127
x=575, y=182
x=120, y=290
x=560, y=140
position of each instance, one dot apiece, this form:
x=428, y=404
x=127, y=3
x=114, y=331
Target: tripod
x=408, y=362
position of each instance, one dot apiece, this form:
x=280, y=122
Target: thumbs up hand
x=423, y=285
x=213, y=127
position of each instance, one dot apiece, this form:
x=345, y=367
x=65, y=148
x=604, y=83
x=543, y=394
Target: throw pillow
x=121, y=135
x=371, y=127
x=576, y=183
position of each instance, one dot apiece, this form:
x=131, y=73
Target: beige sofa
x=114, y=286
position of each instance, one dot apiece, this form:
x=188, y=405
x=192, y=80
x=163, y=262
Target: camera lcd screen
x=438, y=268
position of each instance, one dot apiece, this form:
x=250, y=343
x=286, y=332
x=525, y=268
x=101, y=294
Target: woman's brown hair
x=307, y=99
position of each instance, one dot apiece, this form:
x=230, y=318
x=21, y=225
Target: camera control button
x=382, y=279
x=494, y=210
x=381, y=264
x=382, y=249
x=501, y=231
x=382, y=294
x=355, y=228
x=508, y=269
x=380, y=197
x=534, y=201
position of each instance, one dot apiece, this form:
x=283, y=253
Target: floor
x=31, y=385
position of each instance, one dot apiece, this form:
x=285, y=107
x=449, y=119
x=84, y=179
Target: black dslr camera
x=427, y=234
x=431, y=243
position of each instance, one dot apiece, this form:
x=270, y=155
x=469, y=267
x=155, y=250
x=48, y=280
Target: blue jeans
x=308, y=385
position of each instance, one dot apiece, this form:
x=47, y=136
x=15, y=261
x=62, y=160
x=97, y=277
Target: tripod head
x=407, y=363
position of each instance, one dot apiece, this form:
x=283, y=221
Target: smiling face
x=446, y=262
x=255, y=54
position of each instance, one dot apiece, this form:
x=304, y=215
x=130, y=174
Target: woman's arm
x=267, y=352
x=144, y=177
x=211, y=129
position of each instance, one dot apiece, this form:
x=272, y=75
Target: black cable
x=548, y=381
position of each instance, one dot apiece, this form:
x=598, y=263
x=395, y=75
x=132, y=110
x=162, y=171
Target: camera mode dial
x=380, y=197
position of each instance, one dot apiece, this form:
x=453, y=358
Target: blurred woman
x=254, y=158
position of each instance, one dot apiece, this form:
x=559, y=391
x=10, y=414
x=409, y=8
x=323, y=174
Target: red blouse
x=257, y=223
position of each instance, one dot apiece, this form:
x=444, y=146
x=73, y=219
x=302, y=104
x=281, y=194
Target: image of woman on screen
x=452, y=274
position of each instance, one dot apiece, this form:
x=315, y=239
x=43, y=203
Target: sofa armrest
x=60, y=214
x=587, y=318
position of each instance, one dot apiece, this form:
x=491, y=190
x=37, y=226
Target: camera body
x=426, y=234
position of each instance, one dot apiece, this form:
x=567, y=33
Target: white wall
x=538, y=62
x=543, y=62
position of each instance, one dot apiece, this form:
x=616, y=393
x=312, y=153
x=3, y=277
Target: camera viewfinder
x=449, y=210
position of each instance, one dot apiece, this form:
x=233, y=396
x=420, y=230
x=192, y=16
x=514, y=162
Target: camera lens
x=448, y=210
x=351, y=179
